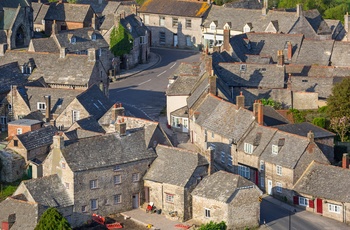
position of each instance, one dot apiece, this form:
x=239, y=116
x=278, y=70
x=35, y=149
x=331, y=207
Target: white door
x=175, y=40
x=135, y=201
x=269, y=187
x=185, y=125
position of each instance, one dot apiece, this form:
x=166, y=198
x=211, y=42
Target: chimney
x=345, y=161
x=58, y=141
x=299, y=10
x=3, y=48
x=63, y=52
x=117, y=110
x=209, y=64
x=290, y=51
x=258, y=112
x=265, y=7
x=209, y=2
x=92, y=55
x=346, y=25
x=311, y=136
x=120, y=127
x=226, y=39
x=289, y=82
x=48, y=108
x=280, y=58
x=211, y=156
x=93, y=22
x=240, y=101
x=212, y=85
x=116, y=20
x=54, y=28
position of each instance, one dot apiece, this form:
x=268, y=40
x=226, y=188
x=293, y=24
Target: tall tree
x=52, y=220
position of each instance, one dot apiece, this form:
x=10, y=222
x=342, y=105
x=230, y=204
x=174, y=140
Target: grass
x=7, y=190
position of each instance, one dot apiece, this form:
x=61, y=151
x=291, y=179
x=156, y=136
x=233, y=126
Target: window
x=161, y=38
x=162, y=21
x=274, y=149
x=244, y=171
x=117, y=168
x=93, y=37
x=169, y=198
x=3, y=120
x=223, y=157
x=279, y=170
x=142, y=39
x=94, y=204
x=175, y=22
x=229, y=160
x=278, y=187
x=212, y=26
x=83, y=208
x=212, y=134
x=67, y=185
x=19, y=131
x=93, y=184
x=117, y=179
x=117, y=199
x=242, y=67
x=75, y=115
x=188, y=41
x=99, y=52
x=176, y=122
x=135, y=177
x=303, y=201
x=63, y=165
x=304, y=80
x=334, y=208
x=41, y=106
x=188, y=23
x=262, y=165
x=262, y=182
x=207, y=213
x=146, y=19
x=248, y=148
x=73, y=40
x=15, y=143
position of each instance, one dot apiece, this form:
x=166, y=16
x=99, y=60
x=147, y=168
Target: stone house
x=104, y=180
x=39, y=13
x=22, y=126
x=319, y=192
x=224, y=196
x=174, y=23
x=17, y=24
x=169, y=185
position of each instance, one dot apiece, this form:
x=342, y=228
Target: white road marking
x=145, y=82
x=161, y=73
x=173, y=65
x=122, y=90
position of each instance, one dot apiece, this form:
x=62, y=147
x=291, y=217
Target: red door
x=319, y=206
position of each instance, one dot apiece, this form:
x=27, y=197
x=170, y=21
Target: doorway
x=269, y=187
x=135, y=201
x=319, y=208
x=185, y=125
x=175, y=40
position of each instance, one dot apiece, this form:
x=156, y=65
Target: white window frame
x=162, y=20
x=334, y=208
x=207, y=212
x=248, y=148
x=229, y=160
x=244, y=171
x=93, y=184
x=303, y=201
x=223, y=157
x=279, y=170
x=19, y=131
x=117, y=199
x=41, y=105
x=275, y=149
x=262, y=165
x=94, y=204
x=75, y=115
x=278, y=187
x=117, y=179
x=169, y=197
x=175, y=22
x=135, y=177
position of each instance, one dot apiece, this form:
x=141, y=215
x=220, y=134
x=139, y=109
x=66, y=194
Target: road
x=143, y=95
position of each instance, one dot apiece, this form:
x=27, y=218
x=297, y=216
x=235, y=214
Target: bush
x=121, y=42
x=52, y=220
x=319, y=121
x=214, y=226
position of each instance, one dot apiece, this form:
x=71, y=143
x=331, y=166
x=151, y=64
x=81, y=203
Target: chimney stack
x=240, y=101
x=258, y=112
x=48, y=108
x=311, y=136
x=120, y=127
x=280, y=58
x=211, y=155
x=290, y=51
x=212, y=85
x=299, y=10
x=54, y=28
x=117, y=110
x=63, y=52
x=92, y=55
x=226, y=45
x=58, y=141
x=3, y=48
x=346, y=26
x=93, y=22
x=209, y=64
x=345, y=161
x=265, y=7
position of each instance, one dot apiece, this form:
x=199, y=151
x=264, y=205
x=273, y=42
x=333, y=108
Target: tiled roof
x=182, y=86
x=314, y=53
x=175, y=7
x=221, y=186
x=181, y=112
x=163, y=169
x=10, y=74
x=325, y=181
x=37, y=138
x=97, y=5
x=189, y=69
x=272, y=117
x=67, y=12
x=85, y=154
x=302, y=129
x=48, y=191
x=111, y=7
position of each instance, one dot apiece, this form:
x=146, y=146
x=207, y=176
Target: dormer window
x=73, y=40
x=248, y=148
x=129, y=28
x=242, y=67
x=41, y=106
x=213, y=26
x=93, y=37
x=275, y=149
x=247, y=28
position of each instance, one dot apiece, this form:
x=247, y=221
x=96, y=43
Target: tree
x=121, y=42
x=341, y=125
x=213, y=226
x=52, y=220
x=72, y=1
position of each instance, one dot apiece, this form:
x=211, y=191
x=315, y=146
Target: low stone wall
x=12, y=166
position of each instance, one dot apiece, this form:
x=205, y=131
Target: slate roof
x=85, y=154
x=71, y=70
x=221, y=186
x=314, y=52
x=254, y=75
x=133, y=24
x=45, y=45
x=37, y=138
x=183, y=85
x=341, y=54
x=272, y=117
x=39, y=12
x=26, y=122
x=14, y=3
x=67, y=12
x=111, y=7
x=10, y=74
x=90, y=124
x=175, y=7
x=181, y=112
x=303, y=128
x=94, y=101
x=97, y=5
x=80, y=133
x=176, y=174
x=223, y=118
x=198, y=90
x=319, y=181
x=189, y=69
x=35, y=115
x=48, y=191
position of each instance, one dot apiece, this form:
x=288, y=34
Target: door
x=269, y=187
x=319, y=206
x=146, y=195
x=135, y=201
x=175, y=40
x=185, y=125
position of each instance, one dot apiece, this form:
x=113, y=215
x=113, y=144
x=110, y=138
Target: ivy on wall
x=121, y=42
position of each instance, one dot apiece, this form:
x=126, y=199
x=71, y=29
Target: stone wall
x=24, y=21
x=321, y=85
x=65, y=119
x=305, y=100
x=12, y=166
x=218, y=210
x=19, y=106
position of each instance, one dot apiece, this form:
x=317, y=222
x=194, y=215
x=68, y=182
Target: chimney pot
x=226, y=45
x=311, y=136
x=258, y=112
x=240, y=100
x=120, y=127
x=345, y=161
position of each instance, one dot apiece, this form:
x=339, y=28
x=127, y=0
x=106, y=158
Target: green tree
x=52, y=220
x=53, y=0
x=339, y=101
x=72, y=1
x=272, y=103
x=213, y=226
x=121, y=42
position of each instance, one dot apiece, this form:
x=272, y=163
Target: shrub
x=319, y=121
